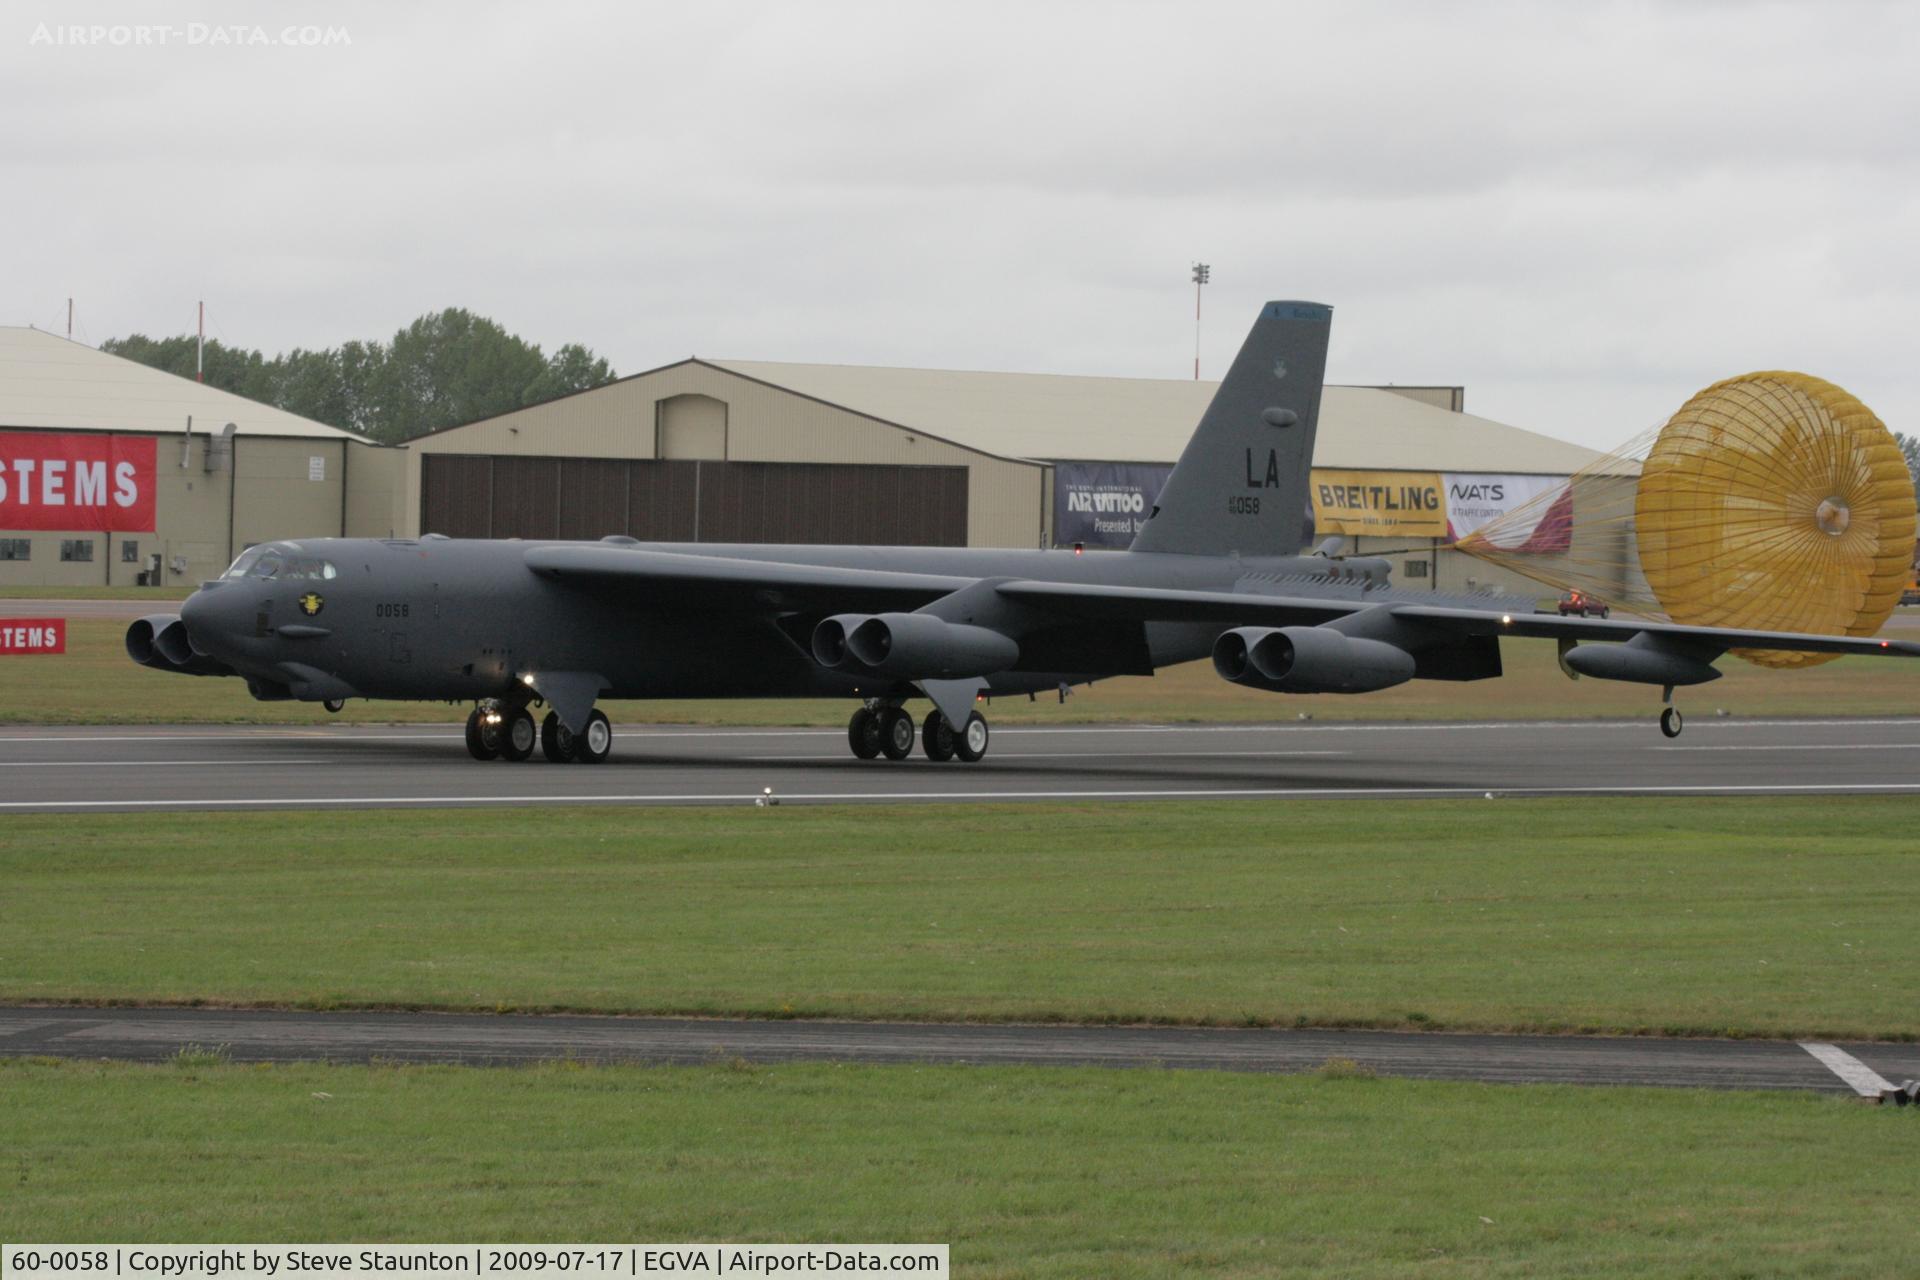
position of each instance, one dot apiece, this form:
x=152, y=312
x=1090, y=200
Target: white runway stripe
x=957, y=797
x=1859, y=1077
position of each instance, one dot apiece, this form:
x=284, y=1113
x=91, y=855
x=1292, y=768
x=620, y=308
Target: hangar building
x=115, y=473
x=756, y=451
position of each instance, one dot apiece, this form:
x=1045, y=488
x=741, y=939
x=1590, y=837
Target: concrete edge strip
x=1857, y=1075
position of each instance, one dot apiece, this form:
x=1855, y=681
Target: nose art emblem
x=311, y=603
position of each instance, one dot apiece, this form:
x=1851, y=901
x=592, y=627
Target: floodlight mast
x=1201, y=273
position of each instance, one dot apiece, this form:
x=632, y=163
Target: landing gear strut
x=1671, y=721
x=863, y=733
x=896, y=733
x=483, y=733
x=497, y=731
x=881, y=729
x=936, y=736
x=562, y=745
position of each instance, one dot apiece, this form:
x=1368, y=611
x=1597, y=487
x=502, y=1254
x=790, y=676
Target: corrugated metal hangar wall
x=694, y=452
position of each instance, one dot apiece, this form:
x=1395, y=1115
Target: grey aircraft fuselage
x=1212, y=569
x=435, y=619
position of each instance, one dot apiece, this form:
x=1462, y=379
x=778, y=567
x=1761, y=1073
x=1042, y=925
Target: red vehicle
x=1583, y=604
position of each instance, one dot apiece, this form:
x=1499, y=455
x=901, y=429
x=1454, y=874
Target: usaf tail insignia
x=311, y=604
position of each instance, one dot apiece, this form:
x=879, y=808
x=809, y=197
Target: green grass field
x=1025, y=1172
x=1780, y=917
x=95, y=683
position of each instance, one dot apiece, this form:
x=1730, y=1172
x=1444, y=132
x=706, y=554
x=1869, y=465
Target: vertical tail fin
x=1241, y=483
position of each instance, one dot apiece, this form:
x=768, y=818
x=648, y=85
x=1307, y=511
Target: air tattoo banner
x=1401, y=504
x=77, y=481
x=1103, y=504
x=1519, y=513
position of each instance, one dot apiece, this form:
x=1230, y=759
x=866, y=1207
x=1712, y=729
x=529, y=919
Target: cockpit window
x=275, y=563
x=244, y=562
x=308, y=569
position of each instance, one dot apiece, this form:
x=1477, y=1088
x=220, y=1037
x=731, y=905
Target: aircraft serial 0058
x=1214, y=570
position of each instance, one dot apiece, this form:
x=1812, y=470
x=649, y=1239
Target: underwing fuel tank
x=1645, y=659
x=911, y=646
x=1309, y=660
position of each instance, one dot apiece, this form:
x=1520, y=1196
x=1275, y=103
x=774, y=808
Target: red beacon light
x=1078, y=547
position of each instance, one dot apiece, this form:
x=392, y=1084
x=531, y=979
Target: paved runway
x=255, y=1035
x=326, y=766
x=110, y=610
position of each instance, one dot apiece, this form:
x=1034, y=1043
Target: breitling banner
x=1449, y=505
x=1404, y=504
x=76, y=481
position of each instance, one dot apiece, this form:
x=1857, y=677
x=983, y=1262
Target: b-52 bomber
x=1215, y=569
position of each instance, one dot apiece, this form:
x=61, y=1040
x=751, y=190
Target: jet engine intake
x=159, y=640
x=911, y=646
x=1309, y=660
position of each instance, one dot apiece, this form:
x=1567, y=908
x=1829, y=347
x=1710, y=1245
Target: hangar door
x=669, y=500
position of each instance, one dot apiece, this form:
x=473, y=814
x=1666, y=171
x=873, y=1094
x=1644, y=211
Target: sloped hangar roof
x=1061, y=417
x=53, y=382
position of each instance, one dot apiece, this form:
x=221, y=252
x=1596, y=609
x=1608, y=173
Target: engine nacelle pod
x=911, y=646
x=159, y=640
x=1309, y=660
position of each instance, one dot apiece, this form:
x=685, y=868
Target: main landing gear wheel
x=863, y=734
x=896, y=733
x=556, y=740
x=1671, y=722
x=596, y=744
x=483, y=734
x=971, y=746
x=517, y=735
x=334, y=705
x=937, y=738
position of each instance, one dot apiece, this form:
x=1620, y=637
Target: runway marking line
x=137, y=764
x=1857, y=1075
x=955, y=797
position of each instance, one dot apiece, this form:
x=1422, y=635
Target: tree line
x=443, y=369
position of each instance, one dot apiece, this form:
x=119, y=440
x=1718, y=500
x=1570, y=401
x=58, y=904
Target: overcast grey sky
x=1583, y=212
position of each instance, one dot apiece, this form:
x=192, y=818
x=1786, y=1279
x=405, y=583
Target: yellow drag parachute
x=1771, y=501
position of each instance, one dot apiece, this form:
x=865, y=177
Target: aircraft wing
x=1242, y=609
x=724, y=583
x=1152, y=604
x=1551, y=626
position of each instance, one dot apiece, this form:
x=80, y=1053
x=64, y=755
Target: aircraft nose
x=211, y=614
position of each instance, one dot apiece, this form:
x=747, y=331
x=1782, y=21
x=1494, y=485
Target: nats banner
x=1520, y=513
x=79, y=481
x=33, y=635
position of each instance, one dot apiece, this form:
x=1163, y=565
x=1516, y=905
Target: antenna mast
x=1201, y=272
x=200, y=348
